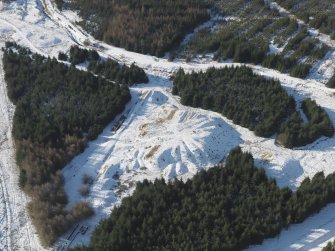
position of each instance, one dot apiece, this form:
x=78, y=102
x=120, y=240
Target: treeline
x=225, y=208
x=58, y=109
x=79, y=55
x=145, y=26
x=120, y=73
x=249, y=100
x=109, y=68
x=295, y=133
x=254, y=102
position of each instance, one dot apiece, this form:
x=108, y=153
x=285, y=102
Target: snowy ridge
x=158, y=136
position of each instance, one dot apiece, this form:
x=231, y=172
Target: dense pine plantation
x=295, y=133
x=109, y=68
x=225, y=208
x=247, y=38
x=254, y=102
x=248, y=99
x=318, y=14
x=58, y=109
x=145, y=26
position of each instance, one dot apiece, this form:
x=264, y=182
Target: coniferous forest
x=248, y=99
x=108, y=68
x=252, y=36
x=58, y=109
x=318, y=14
x=254, y=102
x=295, y=133
x=145, y=26
x=225, y=208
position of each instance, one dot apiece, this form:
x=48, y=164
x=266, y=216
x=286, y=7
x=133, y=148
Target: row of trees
x=120, y=73
x=145, y=26
x=224, y=208
x=295, y=133
x=109, y=68
x=58, y=109
x=80, y=55
x=231, y=42
x=254, y=102
x=319, y=14
x=247, y=39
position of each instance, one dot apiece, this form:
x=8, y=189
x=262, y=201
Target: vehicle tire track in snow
x=16, y=29
x=19, y=230
x=163, y=68
x=6, y=212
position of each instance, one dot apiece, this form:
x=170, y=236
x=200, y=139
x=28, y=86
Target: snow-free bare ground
x=159, y=137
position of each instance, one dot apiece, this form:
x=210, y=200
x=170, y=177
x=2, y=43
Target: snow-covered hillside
x=158, y=137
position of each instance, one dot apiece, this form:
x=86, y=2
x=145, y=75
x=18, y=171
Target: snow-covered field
x=159, y=137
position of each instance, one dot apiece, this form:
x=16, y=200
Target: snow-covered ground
x=16, y=231
x=158, y=137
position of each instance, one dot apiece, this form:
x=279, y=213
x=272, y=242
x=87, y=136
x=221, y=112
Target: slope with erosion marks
x=289, y=167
